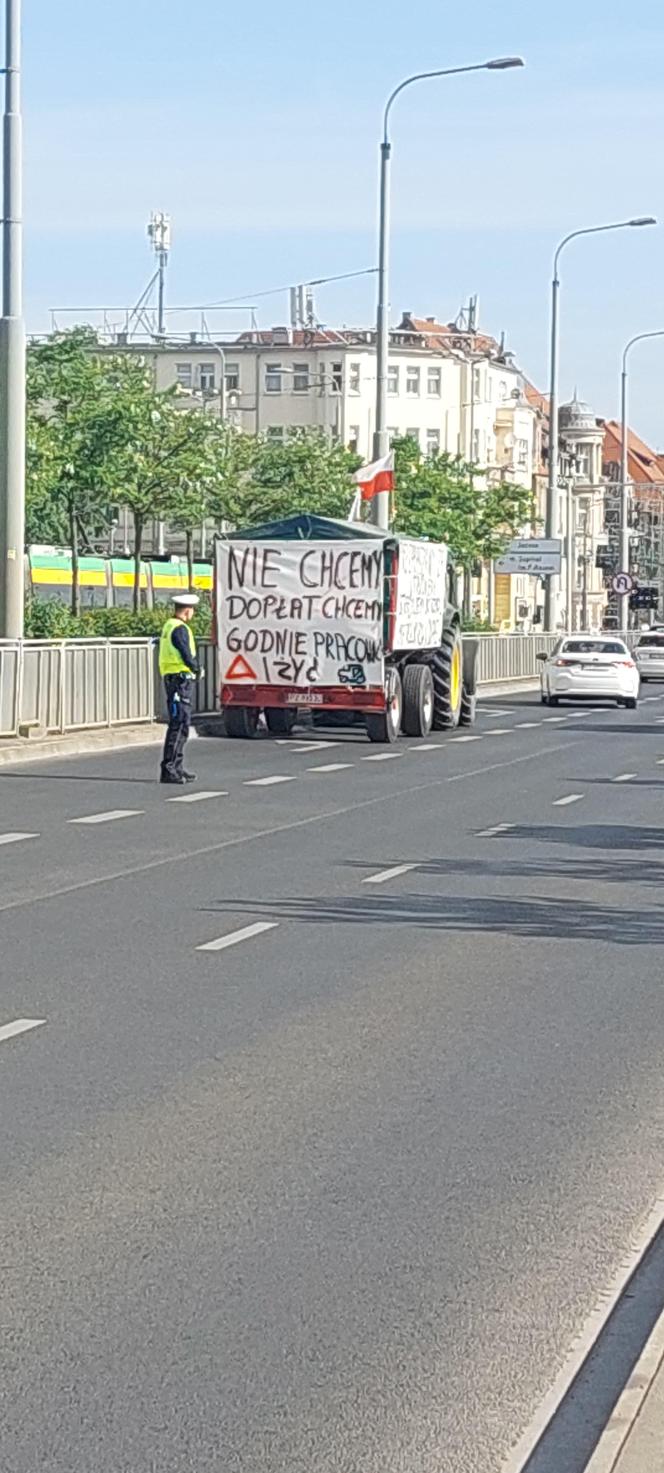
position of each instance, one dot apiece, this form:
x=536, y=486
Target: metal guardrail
x=75, y=684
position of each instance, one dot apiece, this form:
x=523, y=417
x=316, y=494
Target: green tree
x=69, y=444
x=306, y=473
x=446, y=499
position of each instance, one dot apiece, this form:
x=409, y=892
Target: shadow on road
x=538, y=917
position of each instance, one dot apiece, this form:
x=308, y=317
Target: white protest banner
x=301, y=613
x=421, y=595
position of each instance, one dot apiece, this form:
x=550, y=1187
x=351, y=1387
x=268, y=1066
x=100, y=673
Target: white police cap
x=186, y=600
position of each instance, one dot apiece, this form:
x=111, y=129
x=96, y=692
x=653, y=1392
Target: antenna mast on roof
x=159, y=233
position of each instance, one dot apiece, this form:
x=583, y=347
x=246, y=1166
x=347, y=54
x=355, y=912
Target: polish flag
x=379, y=476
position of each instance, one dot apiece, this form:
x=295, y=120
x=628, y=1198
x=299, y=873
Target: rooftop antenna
x=159, y=234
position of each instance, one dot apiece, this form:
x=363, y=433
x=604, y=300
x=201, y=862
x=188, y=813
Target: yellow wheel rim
x=455, y=678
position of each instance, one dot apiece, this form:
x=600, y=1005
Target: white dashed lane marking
x=623, y=777
x=381, y=756
x=234, y=937
x=526, y=725
x=571, y=798
x=330, y=767
x=196, y=797
x=388, y=874
x=16, y=838
x=268, y=782
x=556, y=718
x=471, y=738
x=304, y=746
x=20, y=1025
x=109, y=817
x=498, y=731
x=427, y=747
x=498, y=828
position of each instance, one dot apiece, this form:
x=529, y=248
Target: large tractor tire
x=280, y=720
x=468, y=708
x=418, y=700
x=384, y=726
x=241, y=721
x=447, y=671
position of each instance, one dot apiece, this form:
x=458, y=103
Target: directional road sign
x=537, y=556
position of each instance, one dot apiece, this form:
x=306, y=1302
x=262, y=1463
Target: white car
x=649, y=655
x=582, y=668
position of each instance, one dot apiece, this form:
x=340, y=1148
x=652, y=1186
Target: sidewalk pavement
x=633, y=1439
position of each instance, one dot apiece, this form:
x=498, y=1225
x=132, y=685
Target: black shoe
x=171, y=777
x=189, y=777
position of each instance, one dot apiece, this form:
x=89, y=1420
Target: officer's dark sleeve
x=180, y=639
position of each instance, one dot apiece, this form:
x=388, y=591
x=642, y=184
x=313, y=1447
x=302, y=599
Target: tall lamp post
x=552, y=484
x=12, y=342
x=624, y=470
x=380, y=504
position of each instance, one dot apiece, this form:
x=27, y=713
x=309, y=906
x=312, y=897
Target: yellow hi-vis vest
x=170, y=659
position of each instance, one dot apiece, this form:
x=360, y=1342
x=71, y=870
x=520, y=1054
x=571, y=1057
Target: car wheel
x=631, y=703
x=553, y=701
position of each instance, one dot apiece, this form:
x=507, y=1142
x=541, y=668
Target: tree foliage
x=446, y=499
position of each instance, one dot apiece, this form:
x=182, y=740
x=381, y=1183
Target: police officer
x=178, y=666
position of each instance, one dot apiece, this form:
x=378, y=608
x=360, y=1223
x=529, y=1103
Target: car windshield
x=593, y=647
x=651, y=641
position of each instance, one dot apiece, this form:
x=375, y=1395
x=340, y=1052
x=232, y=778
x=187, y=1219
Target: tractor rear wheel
x=241, y=721
x=418, y=700
x=447, y=671
x=468, y=708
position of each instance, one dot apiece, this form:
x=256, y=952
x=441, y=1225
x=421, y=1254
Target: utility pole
x=12, y=343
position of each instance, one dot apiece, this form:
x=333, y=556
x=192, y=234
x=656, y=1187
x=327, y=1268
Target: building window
x=301, y=378
x=273, y=378
x=392, y=434
x=475, y=448
x=354, y=378
x=413, y=434
x=433, y=442
x=337, y=374
x=206, y=378
x=434, y=383
x=183, y=375
x=295, y=432
x=276, y=433
x=354, y=438
x=232, y=377
x=412, y=380
x=477, y=383
x=522, y=454
x=392, y=380
x=502, y=390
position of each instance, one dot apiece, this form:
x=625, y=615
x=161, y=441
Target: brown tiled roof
x=445, y=336
x=643, y=464
x=536, y=398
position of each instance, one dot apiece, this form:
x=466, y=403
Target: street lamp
x=380, y=503
x=624, y=529
x=552, y=485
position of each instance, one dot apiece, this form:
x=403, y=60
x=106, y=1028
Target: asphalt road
x=337, y=1196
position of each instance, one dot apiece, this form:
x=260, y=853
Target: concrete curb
x=75, y=744
x=622, y=1424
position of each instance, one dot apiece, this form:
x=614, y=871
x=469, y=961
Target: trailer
x=323, y=616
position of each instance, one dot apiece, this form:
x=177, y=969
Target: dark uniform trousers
x=178, y=696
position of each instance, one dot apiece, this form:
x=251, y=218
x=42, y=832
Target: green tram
x=107, y=582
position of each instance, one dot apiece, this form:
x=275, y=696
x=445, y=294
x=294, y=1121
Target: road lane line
x=498, y=828
x=267, y=782
x=381, y=756
x=388, y=874
x=556, y=718
x=303, y=745
x=197, y=797
x=427, y=747
x=571, y=798
x=203, y=851
x=471, y=738
x=330, y=767
x=20, y=1025
x=109, y=817
x=16, y=838
x=526, y=725
x=234, y=937
x=623, y=777
x=499, y=731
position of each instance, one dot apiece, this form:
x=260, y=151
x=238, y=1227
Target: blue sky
x=256, y=126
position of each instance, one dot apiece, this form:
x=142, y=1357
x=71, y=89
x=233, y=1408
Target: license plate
x=304, y=698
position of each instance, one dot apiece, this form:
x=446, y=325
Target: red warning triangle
x=240, y=669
